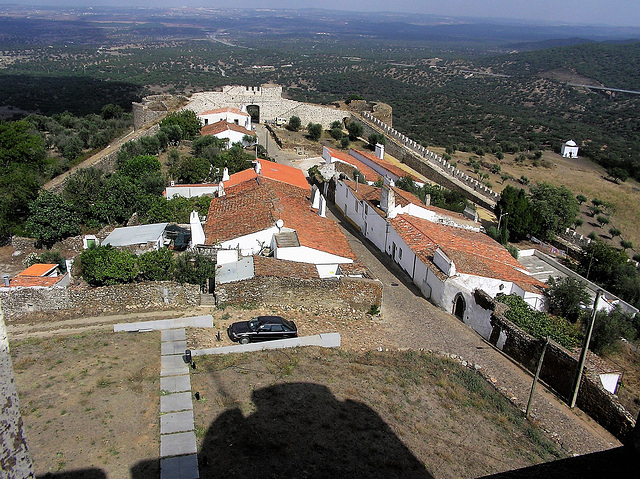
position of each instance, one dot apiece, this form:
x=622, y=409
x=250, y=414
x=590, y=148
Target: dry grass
x=331, y=413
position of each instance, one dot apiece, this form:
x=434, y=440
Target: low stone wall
x=558, y=371
x=321, y=294
x=87, y=301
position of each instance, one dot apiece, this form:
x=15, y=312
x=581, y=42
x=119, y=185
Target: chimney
x=6, y=280
x=322, y=211
x=427, y=200
x=221, y=189
x=258, y=166
x=173, y=183
x=387, y=199
x=315, y=197
x=380, y=151
x=225, y=174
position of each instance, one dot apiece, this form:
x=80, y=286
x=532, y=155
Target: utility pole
x=583, y=353
x=535, y=378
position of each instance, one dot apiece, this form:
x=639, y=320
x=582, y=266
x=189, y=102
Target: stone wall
x=558, y=371
x=154, y=107
x=86, y=301
x=15, y=460
x=427, y=163
x=345, y=293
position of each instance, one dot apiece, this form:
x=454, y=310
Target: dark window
x=277, y=328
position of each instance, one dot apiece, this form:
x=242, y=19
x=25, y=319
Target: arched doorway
x=459, y=307
x=254, y=112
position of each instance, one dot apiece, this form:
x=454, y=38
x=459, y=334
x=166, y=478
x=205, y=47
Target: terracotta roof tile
x=390, y=167
x=255, y=205
x=220, y=126
x=35, y=281
x=240, y=177
x=224, y=110
x=369, y=173
x=473, y=253
x=286, y=174
x=38, y=269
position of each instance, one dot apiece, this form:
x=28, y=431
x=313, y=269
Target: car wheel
x=244, y=341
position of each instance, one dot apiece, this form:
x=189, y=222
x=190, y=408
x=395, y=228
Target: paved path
x=178, y=452
x=413, y=322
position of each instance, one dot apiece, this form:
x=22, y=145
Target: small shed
x=569, y=149
x=142, y=238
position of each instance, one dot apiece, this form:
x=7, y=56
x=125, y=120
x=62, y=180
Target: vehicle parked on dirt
x=262, y=328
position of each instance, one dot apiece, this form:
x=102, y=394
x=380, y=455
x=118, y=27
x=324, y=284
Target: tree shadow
x=89, y=473
x=303, y=430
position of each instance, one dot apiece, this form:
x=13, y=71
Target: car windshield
x=253, y=324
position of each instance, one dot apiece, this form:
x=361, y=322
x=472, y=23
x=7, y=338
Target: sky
x=590, y=12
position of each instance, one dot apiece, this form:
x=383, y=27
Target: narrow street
x=413, y=322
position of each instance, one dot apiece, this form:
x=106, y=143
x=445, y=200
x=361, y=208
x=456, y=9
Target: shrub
x=539, y=324
x=294, y=123
x=156, y=265
x=106, y=265
x=193, y=268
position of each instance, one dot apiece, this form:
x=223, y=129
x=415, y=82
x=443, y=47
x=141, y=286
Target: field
x=90, y=404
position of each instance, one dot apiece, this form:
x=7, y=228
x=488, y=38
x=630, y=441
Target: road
x=413, y=322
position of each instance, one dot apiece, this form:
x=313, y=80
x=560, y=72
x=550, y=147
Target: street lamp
x=500, y=219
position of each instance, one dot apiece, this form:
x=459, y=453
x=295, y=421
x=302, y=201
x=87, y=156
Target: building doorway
x=254, y=113
x=459, y=307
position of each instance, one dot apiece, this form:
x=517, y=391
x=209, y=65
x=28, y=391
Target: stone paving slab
x=160, y=324
x=173, y=335
x=173, y=347
x=326, y=340
x=176, y=402
x=182, y=467
x=173, y=366
x=175, y=384
x=178, y=444
x=176, y=422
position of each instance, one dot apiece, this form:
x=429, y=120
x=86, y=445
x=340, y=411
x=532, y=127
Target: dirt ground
x=91, y=401
x=335, y=413
x=628, y=360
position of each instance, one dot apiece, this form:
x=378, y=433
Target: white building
x=228, y=114
x=569, y=149
x=141, y=238
x=229, y=131
x=443, y=253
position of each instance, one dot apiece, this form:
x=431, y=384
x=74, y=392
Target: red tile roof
x=224, y=110
x=240, y=177
x=286, y=174
x=38, y=269
x=220, y=126
x=254, y=205
x=35, y=281
x=390, y=167
x=473, y=253
x=369, y=173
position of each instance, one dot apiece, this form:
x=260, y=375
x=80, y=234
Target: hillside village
x=282, y=234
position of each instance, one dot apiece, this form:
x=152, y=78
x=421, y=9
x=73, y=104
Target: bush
x=194, y=268
x=539, y=324
x=608, y=330
x=314, y=130
x=294, y=123
x=567, y=296
x=106, y=265
x=156, y=265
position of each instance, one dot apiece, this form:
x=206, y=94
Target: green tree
x=52, y=219
x=105, y=265
x=188, y=122
x=626, y=244
x=581, y=198
x=514, y=205
x=314, y=130
x=602, y=220
x=194, y=268
x=116, y=201
x=618, y=174
x=567, y=297
x=555, y=208
x=156, y=265
x=344, y=142
x=336, y=133
x=355, y=130
x=208, y=147
x=608, y=329
x=614, y=232
x=375, y=138
x=294, y=123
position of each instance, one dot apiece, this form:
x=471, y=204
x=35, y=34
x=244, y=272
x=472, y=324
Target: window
x=366, y=209
x=400, y=253
x=356, y=206
x=277, y=328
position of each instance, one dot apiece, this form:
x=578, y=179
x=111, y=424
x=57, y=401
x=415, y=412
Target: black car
x=262, y=328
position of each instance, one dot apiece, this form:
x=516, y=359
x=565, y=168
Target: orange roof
x=390, y=167
x=286, y=174
x=222, y=125
x=369, y=173
x=240, y=177
x=38, y=269
x=224, y=110
x=473, y=253
x=257, y=204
